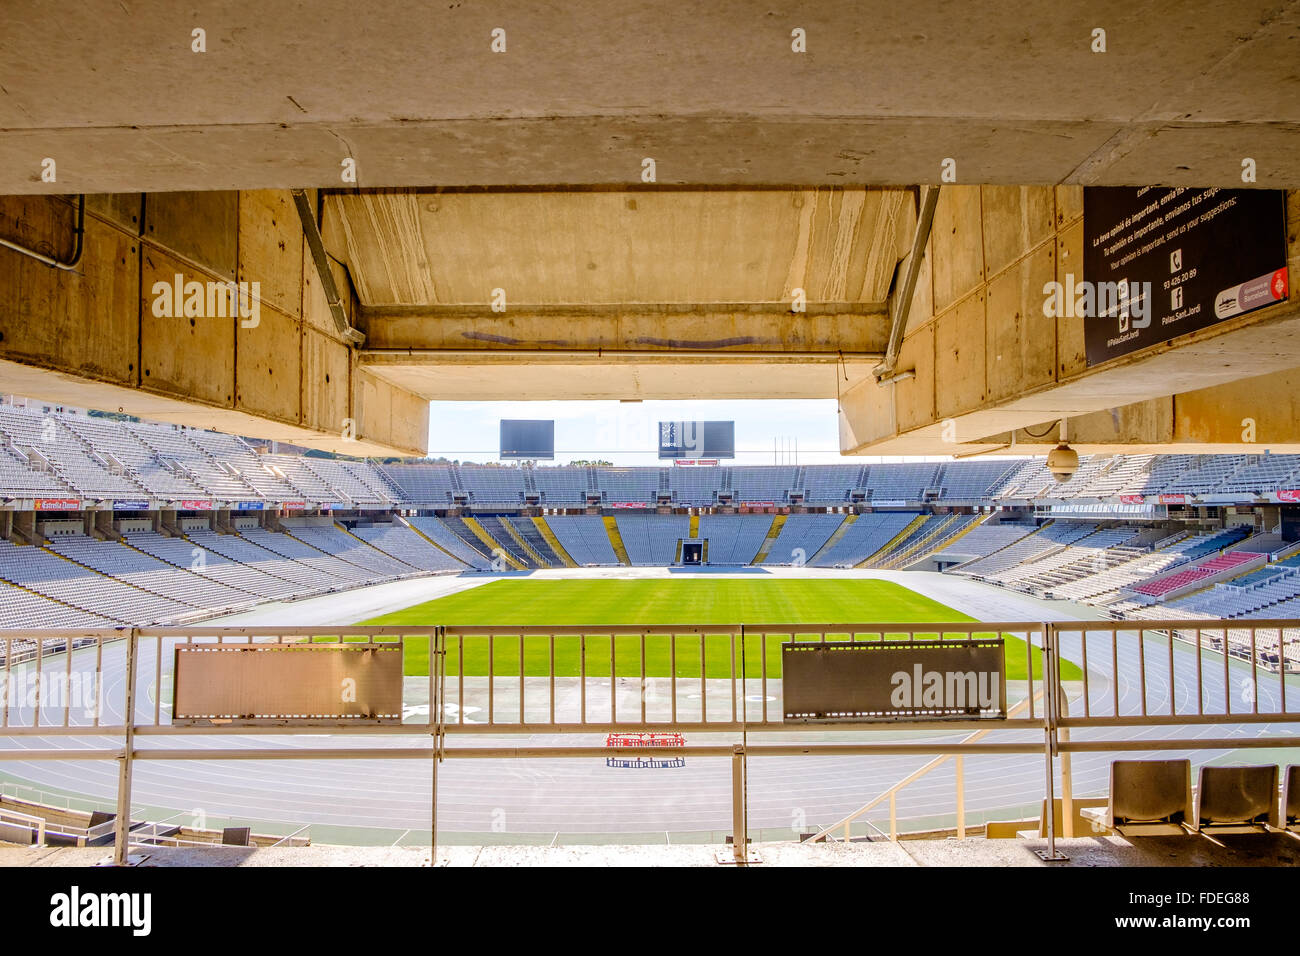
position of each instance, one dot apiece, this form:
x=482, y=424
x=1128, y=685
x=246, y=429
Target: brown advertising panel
x=894, y=680
x=292, y=685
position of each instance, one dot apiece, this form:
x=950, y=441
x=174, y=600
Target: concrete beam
x=100, y=337
x=681, y=330
x=883, y=94
x=1248, y=416
x=512, y=375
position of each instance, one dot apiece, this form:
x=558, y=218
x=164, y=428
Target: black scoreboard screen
x=697, y=440
x=527, y=438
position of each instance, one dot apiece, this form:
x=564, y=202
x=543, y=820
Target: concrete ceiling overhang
x=665, y=293
x=584, y=91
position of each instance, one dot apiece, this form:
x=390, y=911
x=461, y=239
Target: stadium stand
x=288, y=546
x=525, y=528
x=495, y=527
x=734, y=539
x=297, y=580
x=423, y=484
x=863, y=538
x=333, y=540
x=928, y=528
x=452, y=536
x=801, y=538
x=832, y=484
x=1102, y=538
x=999, y=566
x=561, y=487
x=1203, y=569
x=584, y=537
x=209, y=564
x=992, y=536
x=401, y=542
x=651, y=540
x=905, y=482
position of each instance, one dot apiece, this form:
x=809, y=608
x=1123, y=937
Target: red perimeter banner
x=1288, y=494
x=628, y=504
x=195, y=504
x=758, y=504
x=57, y=504
x=1132, y=499
x=688, y=462
x=1173, y=499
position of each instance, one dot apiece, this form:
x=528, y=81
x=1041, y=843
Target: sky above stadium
x=767, y=432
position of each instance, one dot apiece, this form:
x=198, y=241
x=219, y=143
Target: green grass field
x=594, y=603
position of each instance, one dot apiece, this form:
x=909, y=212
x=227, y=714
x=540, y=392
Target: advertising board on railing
x=894, y=680
x=293, y=685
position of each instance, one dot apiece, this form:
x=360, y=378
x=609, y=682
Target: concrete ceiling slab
x=692, y=248
x=585, y=90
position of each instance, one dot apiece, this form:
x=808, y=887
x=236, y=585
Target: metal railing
x=722, y=680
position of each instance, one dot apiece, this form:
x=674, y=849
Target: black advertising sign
x=1160, y=261
x=893, y=680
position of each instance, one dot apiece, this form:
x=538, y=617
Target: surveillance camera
x=1062, y=462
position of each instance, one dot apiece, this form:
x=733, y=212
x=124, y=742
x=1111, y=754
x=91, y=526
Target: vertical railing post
x=437, y=658
x=1067, y=780
x=961, y=797
x=739, y=815
x=1050, y=700
x=122, y=824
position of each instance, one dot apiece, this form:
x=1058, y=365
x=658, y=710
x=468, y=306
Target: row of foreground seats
x=1155, y=798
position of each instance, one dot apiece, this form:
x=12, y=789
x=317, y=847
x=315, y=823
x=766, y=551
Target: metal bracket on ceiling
x=901, y=300
x=311, y=232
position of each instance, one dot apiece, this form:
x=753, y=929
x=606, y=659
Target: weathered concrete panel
x=122, y=209
x=190, y=357
x=957, y=243
x=1260, y=410
x=388, y=415
x=1015, y=219
x=83, y=322
x=199, y=226
x=271, y=248
x=268, y=367
x=1071, y=348
x=960, y=358
x=325, y=399
x=1021, y=341
x=914, y=398
x=1069, y=205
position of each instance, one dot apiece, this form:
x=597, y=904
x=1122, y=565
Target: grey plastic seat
x=1236, y=799
x=236, y=836
x=1147, y=798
